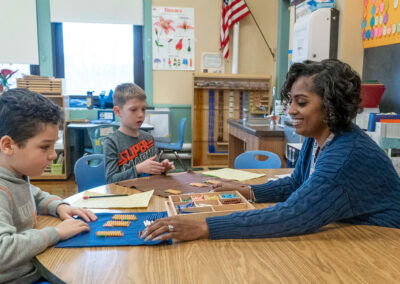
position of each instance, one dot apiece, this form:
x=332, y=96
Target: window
x=23, y=69
x=97, y=57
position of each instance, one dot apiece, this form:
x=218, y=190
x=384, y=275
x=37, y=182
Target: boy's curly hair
x=336, y=83
x=23, y=114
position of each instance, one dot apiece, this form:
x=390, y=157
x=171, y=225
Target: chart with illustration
x=173, y=38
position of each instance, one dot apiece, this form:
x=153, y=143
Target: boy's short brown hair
x=24, y=113
x=127, y=91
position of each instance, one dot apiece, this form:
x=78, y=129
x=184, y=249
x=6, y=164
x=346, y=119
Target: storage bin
x=56, y=169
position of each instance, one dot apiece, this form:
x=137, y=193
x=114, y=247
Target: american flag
x=232, y=12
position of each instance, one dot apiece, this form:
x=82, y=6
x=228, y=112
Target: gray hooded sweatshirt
x=20, y=202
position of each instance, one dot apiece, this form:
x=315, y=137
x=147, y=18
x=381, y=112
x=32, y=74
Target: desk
x=337, y=253
x=76, y=141
x=144, y=126
x=244, y=138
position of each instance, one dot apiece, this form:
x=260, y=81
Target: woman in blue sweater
x=341, y=174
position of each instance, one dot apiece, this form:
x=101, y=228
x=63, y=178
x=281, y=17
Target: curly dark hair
x=23, y=114
x=336, y=83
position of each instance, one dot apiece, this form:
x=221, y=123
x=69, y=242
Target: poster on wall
x=173, y=38
x=381, y=23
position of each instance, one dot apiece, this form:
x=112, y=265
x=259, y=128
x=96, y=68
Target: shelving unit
x=218, y=97
x=53, y=89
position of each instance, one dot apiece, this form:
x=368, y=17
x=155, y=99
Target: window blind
x=18, y=32
x=97, y=11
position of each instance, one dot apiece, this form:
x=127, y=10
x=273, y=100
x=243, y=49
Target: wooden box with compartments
x=199, y=206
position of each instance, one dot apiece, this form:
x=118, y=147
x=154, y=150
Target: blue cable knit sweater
x=354, y=182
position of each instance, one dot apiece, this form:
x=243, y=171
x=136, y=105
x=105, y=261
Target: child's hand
x=65, y=212
x=150, y=166
x=168, y=165
x=71, y=227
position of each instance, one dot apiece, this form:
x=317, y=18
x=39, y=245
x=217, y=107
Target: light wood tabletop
x=337, y=253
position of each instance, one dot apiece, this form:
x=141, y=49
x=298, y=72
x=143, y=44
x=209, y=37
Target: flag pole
x=235, y=48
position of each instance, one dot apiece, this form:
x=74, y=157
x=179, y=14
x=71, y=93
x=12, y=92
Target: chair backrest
x=181, y=131
x=97, y=135
x=247, y=160
x=89, y=171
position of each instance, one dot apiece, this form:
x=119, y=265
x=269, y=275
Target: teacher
x=341, y=175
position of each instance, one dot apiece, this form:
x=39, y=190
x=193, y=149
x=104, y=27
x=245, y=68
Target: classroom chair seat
x=247, y=160
x=97, y=135
x=174, y=147
x=89, y=171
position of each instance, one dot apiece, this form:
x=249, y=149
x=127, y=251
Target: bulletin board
x=161, y=122
x=381, y=23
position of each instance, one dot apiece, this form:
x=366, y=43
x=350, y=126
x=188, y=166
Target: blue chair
x=247, y=160
x=89, y=171
x=174, y=146
x=97, y=135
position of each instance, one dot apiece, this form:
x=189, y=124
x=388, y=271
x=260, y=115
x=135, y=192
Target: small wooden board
x=179, y=181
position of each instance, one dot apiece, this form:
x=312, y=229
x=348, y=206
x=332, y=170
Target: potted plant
x=5, y=74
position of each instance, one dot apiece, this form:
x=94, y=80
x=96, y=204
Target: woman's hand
x=176, y=228
x=65, y=212
x=244, y=189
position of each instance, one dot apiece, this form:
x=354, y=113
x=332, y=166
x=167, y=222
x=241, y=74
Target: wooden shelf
x=47, y=176
x=52, y=89
x=232, y=88
x=231, y=92
x=231, y=76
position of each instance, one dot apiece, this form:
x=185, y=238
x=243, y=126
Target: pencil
x=103, y=196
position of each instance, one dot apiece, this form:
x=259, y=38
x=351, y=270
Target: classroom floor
x=61, y=188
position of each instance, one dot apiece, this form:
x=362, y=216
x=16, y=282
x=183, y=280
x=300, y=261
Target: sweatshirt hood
x=11, y=177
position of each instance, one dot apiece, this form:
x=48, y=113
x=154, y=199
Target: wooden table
x=337, y=253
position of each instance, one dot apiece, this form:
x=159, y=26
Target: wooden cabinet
x=52, y=89
x=243, y=138
x=218, y=97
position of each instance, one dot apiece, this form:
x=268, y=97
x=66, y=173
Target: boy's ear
x=116, y=110
x=7, y=145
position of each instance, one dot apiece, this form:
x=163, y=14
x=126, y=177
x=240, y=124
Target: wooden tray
x=207, y=207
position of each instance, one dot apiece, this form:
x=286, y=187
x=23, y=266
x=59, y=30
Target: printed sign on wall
x=173, y=38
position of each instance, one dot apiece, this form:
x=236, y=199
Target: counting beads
x=212, y=197
x=172, y=191
x=198, y=198
x=228, y=195
x=121, y=217
x=109, y=234
x=231, y=201
x=213, y=181
x=117, y=224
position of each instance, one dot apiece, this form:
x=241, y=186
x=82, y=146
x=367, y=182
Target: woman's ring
x=170, y=228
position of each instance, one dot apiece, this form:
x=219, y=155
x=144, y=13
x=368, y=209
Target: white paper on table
x=232, y=174
x=279, y=176
x=137, y=200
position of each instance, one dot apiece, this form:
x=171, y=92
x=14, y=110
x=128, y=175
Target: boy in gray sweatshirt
x=28, y=131
x=130, y=152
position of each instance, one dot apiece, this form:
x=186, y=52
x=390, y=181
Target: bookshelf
x=52, y=89
x=218, y=97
